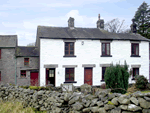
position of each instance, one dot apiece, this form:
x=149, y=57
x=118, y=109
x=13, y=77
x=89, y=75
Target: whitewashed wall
x=52, y=52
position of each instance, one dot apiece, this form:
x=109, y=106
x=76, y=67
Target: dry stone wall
x=75, y=102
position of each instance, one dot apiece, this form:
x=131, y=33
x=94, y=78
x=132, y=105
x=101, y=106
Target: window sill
x=102, y=80
x=135, y=56
x=69, y=56
x=22, y=77
x=70, y=82
x=106, y=56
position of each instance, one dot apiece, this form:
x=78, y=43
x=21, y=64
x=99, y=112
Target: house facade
x=27, y=65
x=81, y=55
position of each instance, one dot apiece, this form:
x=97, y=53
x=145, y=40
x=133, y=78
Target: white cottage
x=81, y=55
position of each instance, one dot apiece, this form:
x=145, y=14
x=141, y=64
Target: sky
x=21, y=17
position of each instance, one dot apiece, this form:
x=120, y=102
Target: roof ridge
x=65, y=27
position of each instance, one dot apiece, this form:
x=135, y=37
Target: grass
x=16, y=107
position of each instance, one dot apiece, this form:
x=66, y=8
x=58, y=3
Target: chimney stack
x=71, y=22
x=100, y=22
x=133, y=26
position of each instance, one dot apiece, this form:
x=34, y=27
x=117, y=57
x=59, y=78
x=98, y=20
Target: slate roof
x=27, y=51
x=84, y=33
x=8, y=40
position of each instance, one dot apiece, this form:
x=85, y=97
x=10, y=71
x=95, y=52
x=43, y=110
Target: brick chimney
x=133, y=26
x=100, y=22
x=71, y=22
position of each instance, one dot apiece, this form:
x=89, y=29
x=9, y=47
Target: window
x=69, y=48
x=135, y=49
x=69, y=74
x=51, y=72
x=135, y=72
x=23, y=73
x=106, y=49
x=0, y=75
x=103, y=73
x=0, y=53
x=26, y=61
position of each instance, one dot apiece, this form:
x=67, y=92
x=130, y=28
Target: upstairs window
x=135, y=49
x=23, y=74
x=69, y=74
x=69, y=48
x=26, y=61
x=106, y=49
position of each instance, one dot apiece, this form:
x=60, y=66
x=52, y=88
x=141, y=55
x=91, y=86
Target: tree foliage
x=31, y=44
x=116, y=26
x=116, y=78
x=142, y=20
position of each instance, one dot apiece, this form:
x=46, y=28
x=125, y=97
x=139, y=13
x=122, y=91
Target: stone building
x=8, y=44
x=18, y=65
x=27, y=65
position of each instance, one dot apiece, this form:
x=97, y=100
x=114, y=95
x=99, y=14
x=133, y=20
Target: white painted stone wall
x=52, y=52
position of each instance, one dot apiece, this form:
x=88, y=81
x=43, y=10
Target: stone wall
x=76, y=102
x=7, y=65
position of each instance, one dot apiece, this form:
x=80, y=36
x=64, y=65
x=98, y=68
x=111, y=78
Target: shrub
x=116, y=78
x=141, y=82
x=103, y=86
x=132, y=89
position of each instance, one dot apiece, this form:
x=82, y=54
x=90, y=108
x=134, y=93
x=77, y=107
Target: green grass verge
x=16, y=107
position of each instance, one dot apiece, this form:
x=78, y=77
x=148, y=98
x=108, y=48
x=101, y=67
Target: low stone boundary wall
x=100, y=102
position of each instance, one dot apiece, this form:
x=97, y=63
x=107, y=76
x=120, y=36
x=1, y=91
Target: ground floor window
x=135, y=72
x=23, y=73
x=103, y=73
x=69, y=74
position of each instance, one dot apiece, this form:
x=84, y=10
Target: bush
x=132, y=89
x=103, y=86
x=141, y=82
x=116, y=78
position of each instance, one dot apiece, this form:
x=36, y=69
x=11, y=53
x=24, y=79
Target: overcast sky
x=21, y=17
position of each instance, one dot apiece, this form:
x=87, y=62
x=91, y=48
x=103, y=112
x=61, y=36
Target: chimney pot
x=133, y=26
x=98, y=16
x=100, y=22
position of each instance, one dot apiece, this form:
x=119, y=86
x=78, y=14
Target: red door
x=34, y=79
x=88, y=76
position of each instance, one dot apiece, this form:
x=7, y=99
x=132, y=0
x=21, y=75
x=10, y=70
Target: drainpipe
x=15, y=70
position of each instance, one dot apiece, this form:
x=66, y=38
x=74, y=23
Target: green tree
x=142, y=20
x=116, y=78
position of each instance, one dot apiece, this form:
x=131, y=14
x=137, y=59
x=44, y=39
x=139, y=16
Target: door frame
x=92, y=73
x=48, y=75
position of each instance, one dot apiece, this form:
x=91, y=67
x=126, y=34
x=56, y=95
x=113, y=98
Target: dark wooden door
x=34, y=79
x=50, y=76
x=88, y=76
